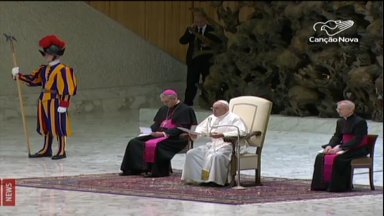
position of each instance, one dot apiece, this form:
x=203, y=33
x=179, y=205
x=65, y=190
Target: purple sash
x=150, y=145
x=329, y=159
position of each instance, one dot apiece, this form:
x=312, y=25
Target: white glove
x=15, y=72
x=61, y=109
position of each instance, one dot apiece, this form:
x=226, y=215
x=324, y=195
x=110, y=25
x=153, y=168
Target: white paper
x=145, y=131
x=339, y=152
x=140, y=135
x=190, y=132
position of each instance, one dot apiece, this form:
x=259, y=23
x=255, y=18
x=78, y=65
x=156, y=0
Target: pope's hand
x=216, y=135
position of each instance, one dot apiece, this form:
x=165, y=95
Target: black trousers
x=198, y=66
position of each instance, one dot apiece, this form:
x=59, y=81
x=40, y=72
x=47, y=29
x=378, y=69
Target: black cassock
x=341, y=171
x=133, y=162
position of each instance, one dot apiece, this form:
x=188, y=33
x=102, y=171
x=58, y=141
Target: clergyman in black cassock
x=138, y=158
x=332, y=169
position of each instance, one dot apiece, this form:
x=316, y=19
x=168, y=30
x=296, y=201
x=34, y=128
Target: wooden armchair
x=366, y=162
x=255, y=112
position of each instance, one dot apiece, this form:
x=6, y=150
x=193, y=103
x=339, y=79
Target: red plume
x=51, y=40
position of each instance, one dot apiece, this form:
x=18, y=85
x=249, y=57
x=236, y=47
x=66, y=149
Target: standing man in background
x=200, y=64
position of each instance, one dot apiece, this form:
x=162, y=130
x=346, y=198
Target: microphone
x=209, y=121
x=237, y=153
x=209, y=126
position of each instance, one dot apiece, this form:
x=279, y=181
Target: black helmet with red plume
x=52, y=45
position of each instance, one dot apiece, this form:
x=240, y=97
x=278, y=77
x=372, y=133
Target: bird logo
x=339, y=26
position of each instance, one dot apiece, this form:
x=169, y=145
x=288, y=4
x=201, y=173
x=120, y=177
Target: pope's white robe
x=211, y=162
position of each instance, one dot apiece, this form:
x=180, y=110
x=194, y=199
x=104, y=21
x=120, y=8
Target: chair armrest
x=233, y=139
x=185, y=136
x=253, y=133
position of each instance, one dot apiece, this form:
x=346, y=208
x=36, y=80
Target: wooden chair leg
x=233, y=182
x=352, y=174
x=258, y=177
x=233, y=171
x=371, y=179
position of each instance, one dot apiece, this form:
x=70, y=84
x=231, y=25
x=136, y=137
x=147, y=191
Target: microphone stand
x=238, y=186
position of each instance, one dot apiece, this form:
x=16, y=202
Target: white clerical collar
x=348, y=117
x=54, y=62
x=223, y=116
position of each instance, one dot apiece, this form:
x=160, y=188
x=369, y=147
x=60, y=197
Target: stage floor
x=98, y=145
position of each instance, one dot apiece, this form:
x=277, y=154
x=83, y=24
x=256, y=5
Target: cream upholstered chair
x=255, y=112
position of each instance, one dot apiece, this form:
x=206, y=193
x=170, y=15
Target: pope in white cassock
x=210, y=163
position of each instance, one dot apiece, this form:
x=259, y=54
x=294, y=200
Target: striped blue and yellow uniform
x=58, y=84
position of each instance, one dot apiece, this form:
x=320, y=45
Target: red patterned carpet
x=273, y=189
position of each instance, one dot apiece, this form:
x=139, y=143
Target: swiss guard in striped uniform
x=58, y=83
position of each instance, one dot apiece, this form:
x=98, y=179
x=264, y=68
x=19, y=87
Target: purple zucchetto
x=170, y=92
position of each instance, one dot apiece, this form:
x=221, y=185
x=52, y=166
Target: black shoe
x=129, y=173
x=58, y=157
x=38, y=155
x=149, y=175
